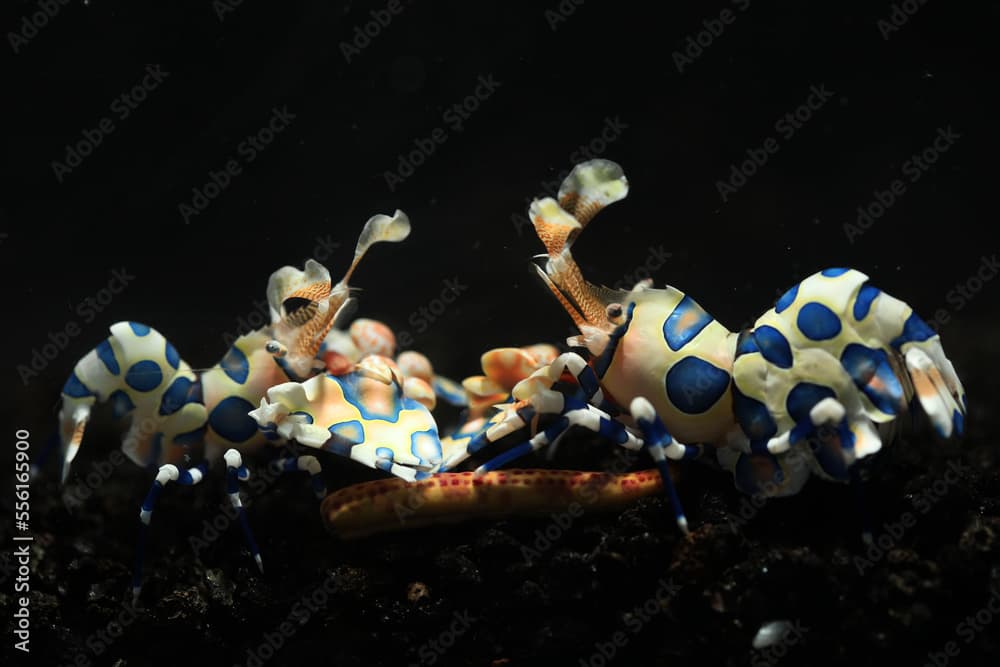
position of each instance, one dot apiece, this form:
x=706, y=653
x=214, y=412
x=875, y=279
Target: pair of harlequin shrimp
x=806, y=390
x=813, y=380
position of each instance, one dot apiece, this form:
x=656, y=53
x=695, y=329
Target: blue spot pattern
x=678, y=334
x=833, y=273
x=803, y=397
x=144, y=375
x=139, y=329
x=107, y=356
x=694, y=385
x=384, y=458
x=959, y=421
x=236, y=365
x=180, y=392
x=344, y=436
x=786, y=299
x=121, y=404
x=817, y=322
x=863, y=302
x=170, y=352
x=864, y=364
x=915, y=330
x=349, y=386
x=426, y=446
x=75, y=388
x=746, y=344
x=773, y=346
x=753, y=417
x=602, y=362
x=230, y=419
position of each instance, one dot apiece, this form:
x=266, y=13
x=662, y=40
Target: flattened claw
x=590, y=187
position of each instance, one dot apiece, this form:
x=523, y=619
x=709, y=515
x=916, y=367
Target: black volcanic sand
x=469, y=590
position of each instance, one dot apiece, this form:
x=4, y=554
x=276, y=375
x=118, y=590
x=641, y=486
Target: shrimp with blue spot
x=178, y=412
x=811, y=388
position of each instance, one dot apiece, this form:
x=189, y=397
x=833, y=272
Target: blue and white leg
x=663, y=446
x=585, y=376
x=516, y=417
x=166, y=474
x=573, y=413
x=236, y=472
x=838, y=435
x=539, y=440
x=309, y=464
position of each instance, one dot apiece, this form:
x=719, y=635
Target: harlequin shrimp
x=810, y=381
x=377, y=411
x=175, y=409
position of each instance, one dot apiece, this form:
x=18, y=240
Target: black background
x=325, y=174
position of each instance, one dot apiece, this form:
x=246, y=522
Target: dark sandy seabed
x=796, y=560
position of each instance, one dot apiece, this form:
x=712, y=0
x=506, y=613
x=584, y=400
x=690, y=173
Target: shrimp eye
x=614, y=311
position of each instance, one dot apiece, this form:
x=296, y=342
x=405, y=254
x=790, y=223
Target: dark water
x=895, y=115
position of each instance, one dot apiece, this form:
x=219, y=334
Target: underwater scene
x=560, y=333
